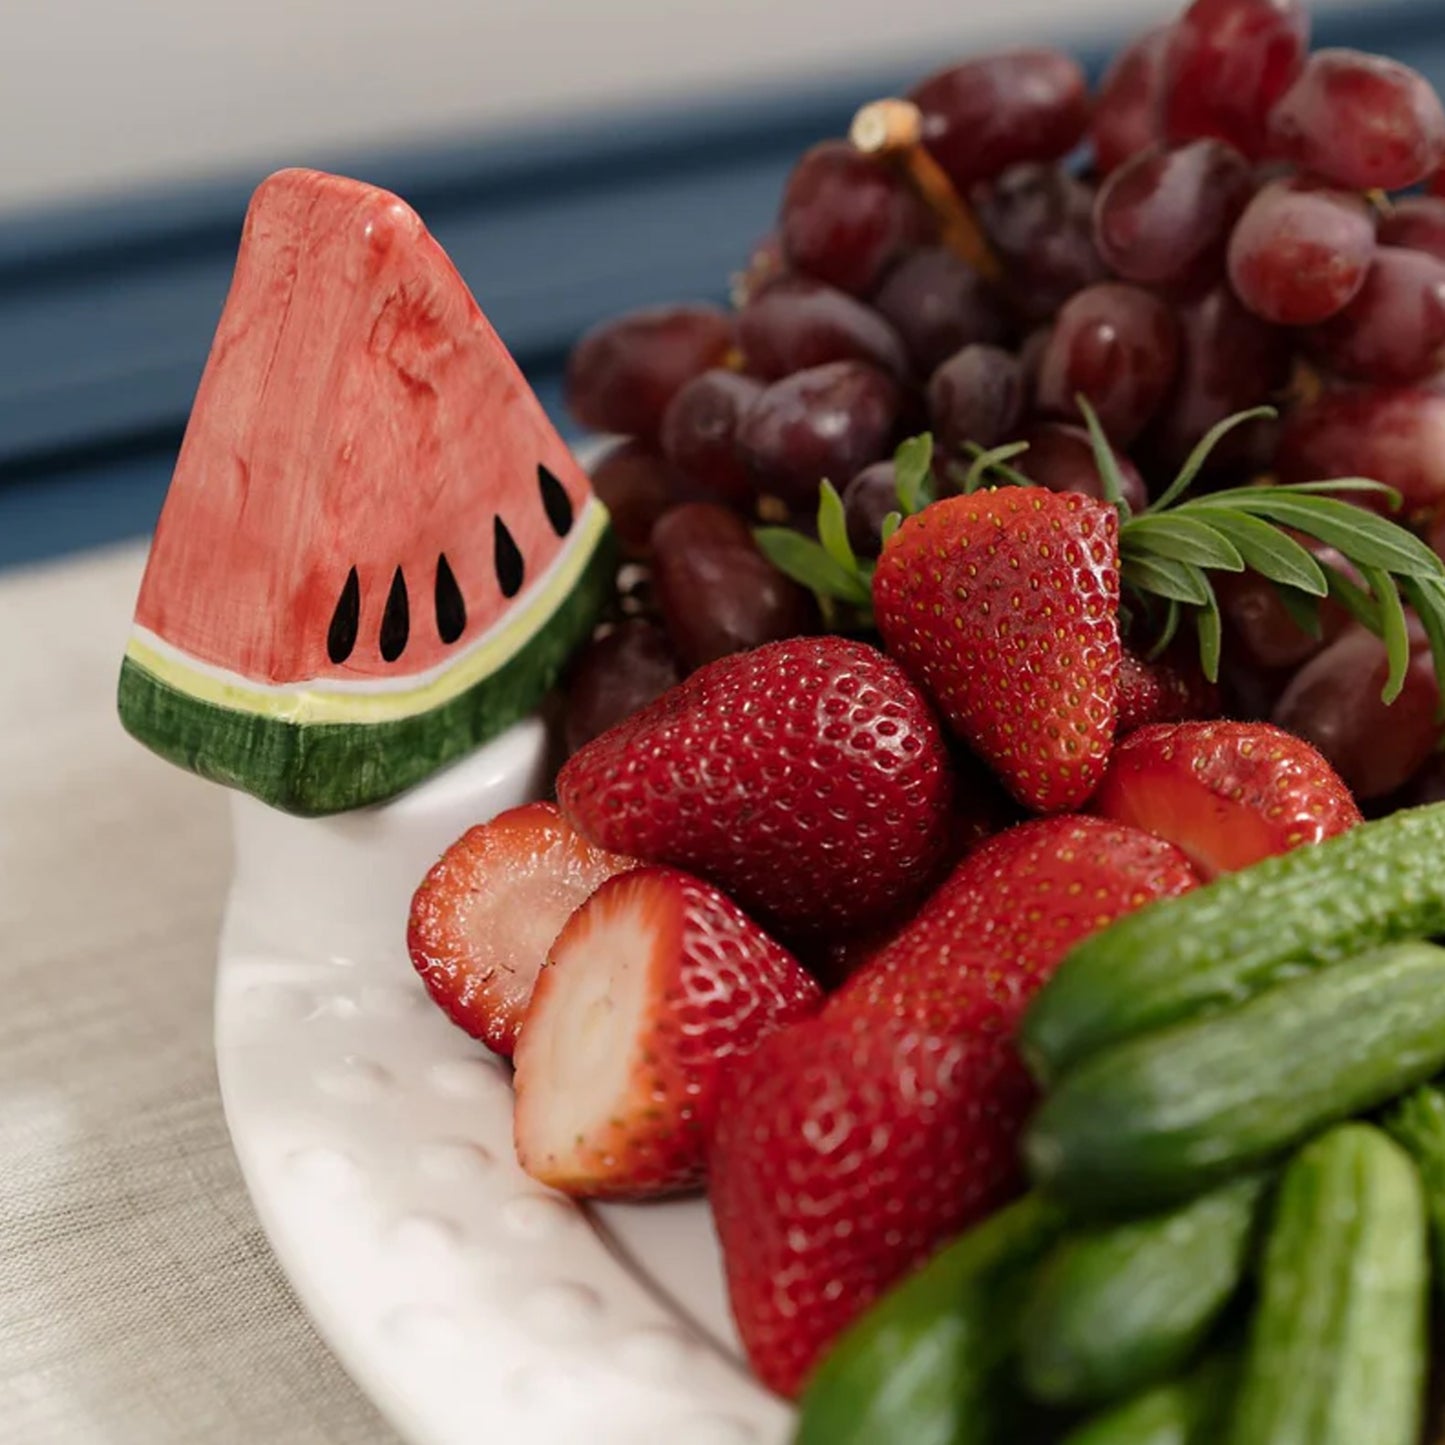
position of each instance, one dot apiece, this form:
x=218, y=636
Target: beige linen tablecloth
x=139, y=1302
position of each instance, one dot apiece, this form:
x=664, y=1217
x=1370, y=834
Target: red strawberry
x=654, y=984
x=1226, y=793
x=847, y=1149
x=806, y=778
x=998, y=926
x=487, y=912
x=846, y=1152
x=1004, y=605
x=1169, y=690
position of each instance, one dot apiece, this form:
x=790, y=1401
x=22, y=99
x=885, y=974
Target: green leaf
x=1303, y=608
x=1207, y=625
x=891, y=523
x=833, y=528
x=1167, y=634
x=1353, y=598
x=1350, y=485
x=993, y=460
x=806, y=562
x=1428, y=600
x=912, y=469
x=1194, y=463
x=1268, y=551
x=1184, y=538
x=1367, y=539
x=1179, y=581
x=1106, y=463
x=1393, y=628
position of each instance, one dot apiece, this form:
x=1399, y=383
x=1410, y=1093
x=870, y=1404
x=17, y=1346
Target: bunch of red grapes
x=1221, y=225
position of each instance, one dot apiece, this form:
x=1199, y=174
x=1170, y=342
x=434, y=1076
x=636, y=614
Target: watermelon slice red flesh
x=376, y=551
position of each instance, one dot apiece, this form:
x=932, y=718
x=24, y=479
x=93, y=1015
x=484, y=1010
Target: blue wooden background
x=106, y=312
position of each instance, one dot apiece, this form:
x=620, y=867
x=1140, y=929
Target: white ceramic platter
x=471, y=1304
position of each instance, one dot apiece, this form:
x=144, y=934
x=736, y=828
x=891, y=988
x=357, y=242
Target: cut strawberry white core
x=655, y=984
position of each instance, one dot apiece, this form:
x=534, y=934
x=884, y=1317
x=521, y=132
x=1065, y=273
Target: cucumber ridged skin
x=1116, y=1308
x=1186, y=1411
x=924, y=1365
x=1337, y=1349
x=1157, y=1119
x=1417, y=1123
x=1223, y=943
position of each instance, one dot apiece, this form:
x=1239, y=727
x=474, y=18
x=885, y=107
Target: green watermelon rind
x=316, y=769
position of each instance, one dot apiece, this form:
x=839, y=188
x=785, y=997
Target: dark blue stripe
x=106, y=310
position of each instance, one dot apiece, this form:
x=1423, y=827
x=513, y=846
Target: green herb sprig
x=1169, y=551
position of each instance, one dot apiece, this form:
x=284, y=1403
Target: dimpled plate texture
x=470, y=1303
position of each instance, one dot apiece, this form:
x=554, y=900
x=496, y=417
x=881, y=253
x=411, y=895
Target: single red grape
x=623, y=372
x=824, y=423
x=1394, y=329
x=699, y=433
x=1261, y=631
x=938, y=303
x=616, y=674
x=1361, y=121
x=1417, y=223
x=1229, y=360
x=797, y=322
x=1129, y=111
x=1391, y=434
x=1040, y=223
x=846, y=216
x=977, y=395
x=1061, y=458
x=636, y=486
x=867, y=501
x=1229, y=61
x=1118, y=346
x=1334, y=702
x=1164, y=218
x=988, y=114
x=1300, y=254
x=717, y=593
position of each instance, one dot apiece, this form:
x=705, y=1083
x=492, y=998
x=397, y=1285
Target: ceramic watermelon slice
x=376, y=552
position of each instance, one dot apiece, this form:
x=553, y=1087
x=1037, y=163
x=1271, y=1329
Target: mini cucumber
x=1418, y=1123
x=924, y=1365
x=1187, y=1411
x=1337, y=1348
x=1158, y=1118
x=1379, y=883
x=1116, y=1308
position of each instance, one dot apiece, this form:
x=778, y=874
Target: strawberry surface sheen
x=806, y=778
x=995, y=929
x=847, y=1151
x=1004, y=605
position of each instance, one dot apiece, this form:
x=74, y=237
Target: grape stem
x=892, y=129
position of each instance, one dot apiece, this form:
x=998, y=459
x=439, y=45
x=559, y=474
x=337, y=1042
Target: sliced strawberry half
x=654, y=984
x=486, y=914
x=1225, y=793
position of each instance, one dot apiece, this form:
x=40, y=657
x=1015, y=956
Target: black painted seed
x=506, y=559
x=345, y=620
x=555, y=501
x=451, y=609
x=395, y=621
